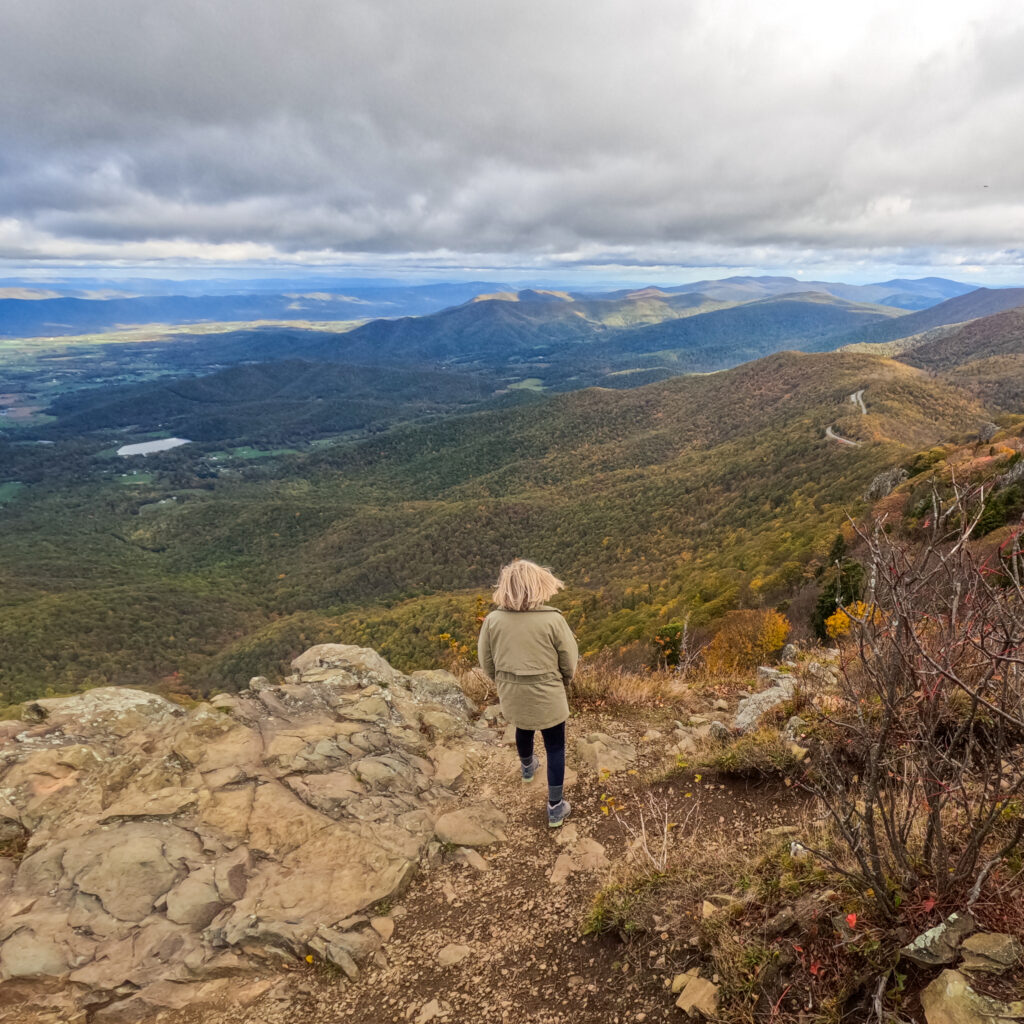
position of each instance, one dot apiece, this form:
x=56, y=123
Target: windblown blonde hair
x=523, y=585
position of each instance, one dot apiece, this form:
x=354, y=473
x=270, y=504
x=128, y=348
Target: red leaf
x=851, y=920
x=815, y=968
x=929, y=905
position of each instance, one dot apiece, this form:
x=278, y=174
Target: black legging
x=554, y=747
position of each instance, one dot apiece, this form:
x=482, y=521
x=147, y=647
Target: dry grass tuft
x=477, y=686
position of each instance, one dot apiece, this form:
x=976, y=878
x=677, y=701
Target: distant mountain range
x=47, y=316
x=902, y=293
x=969, y=306
x=51, y=312
x=392, y=369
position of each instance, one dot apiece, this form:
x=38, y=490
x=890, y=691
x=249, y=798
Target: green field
x=9, y=490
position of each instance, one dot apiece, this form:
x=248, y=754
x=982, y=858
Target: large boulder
x=441, y=687
x=327, y=660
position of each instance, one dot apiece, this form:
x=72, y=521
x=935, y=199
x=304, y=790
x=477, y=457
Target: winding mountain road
x=830, y=433
x=857, y=398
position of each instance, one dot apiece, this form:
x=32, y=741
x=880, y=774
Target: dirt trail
x=515, y=917
x=858, y=399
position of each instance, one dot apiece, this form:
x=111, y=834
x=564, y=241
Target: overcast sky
x=561, y=137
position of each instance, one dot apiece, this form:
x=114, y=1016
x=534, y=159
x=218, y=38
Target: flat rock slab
x=478, y=825
x=604, y=754
x=941, y=944
x=990, y=952
x=698, y=998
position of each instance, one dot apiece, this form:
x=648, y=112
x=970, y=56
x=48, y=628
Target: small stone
x=452, y=954
x=795, y=728
x=717, y=902
x=567, y=834
x=699, y=998
x=384, y=927
x=604, y=754
x=470, y=857
x=721, y=705
x=428, y=1011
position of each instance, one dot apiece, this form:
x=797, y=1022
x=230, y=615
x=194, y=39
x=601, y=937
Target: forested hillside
x=981, y=302
x=687, y=497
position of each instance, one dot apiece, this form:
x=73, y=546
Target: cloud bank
x=526, y=134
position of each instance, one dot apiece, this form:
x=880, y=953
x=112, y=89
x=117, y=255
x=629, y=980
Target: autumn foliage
x=746, y=639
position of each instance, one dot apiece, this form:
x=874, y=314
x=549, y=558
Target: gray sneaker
x=558, y=813
x=529, y=769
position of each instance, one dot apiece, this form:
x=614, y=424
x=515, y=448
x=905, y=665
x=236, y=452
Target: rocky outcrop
x=166, y=851
x=751, y=709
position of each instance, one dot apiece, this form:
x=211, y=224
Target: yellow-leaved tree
x=746, y=639
x=838, y=623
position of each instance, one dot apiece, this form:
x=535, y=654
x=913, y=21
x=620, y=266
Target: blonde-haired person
x=529, y=651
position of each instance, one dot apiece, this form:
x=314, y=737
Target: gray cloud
x=527, y=133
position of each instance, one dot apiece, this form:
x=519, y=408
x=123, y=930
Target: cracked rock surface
x=159, y=855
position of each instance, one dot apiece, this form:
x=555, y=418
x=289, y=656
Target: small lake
x=148, y=447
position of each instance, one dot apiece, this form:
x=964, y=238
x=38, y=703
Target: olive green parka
x=531, y=656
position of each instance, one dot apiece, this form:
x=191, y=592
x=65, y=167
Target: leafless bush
x=650, y=837
x=922, y=776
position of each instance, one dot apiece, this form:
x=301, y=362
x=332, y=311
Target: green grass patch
x=9, y=490
x=248, y=452
x=760, y=754
x=527, y=384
